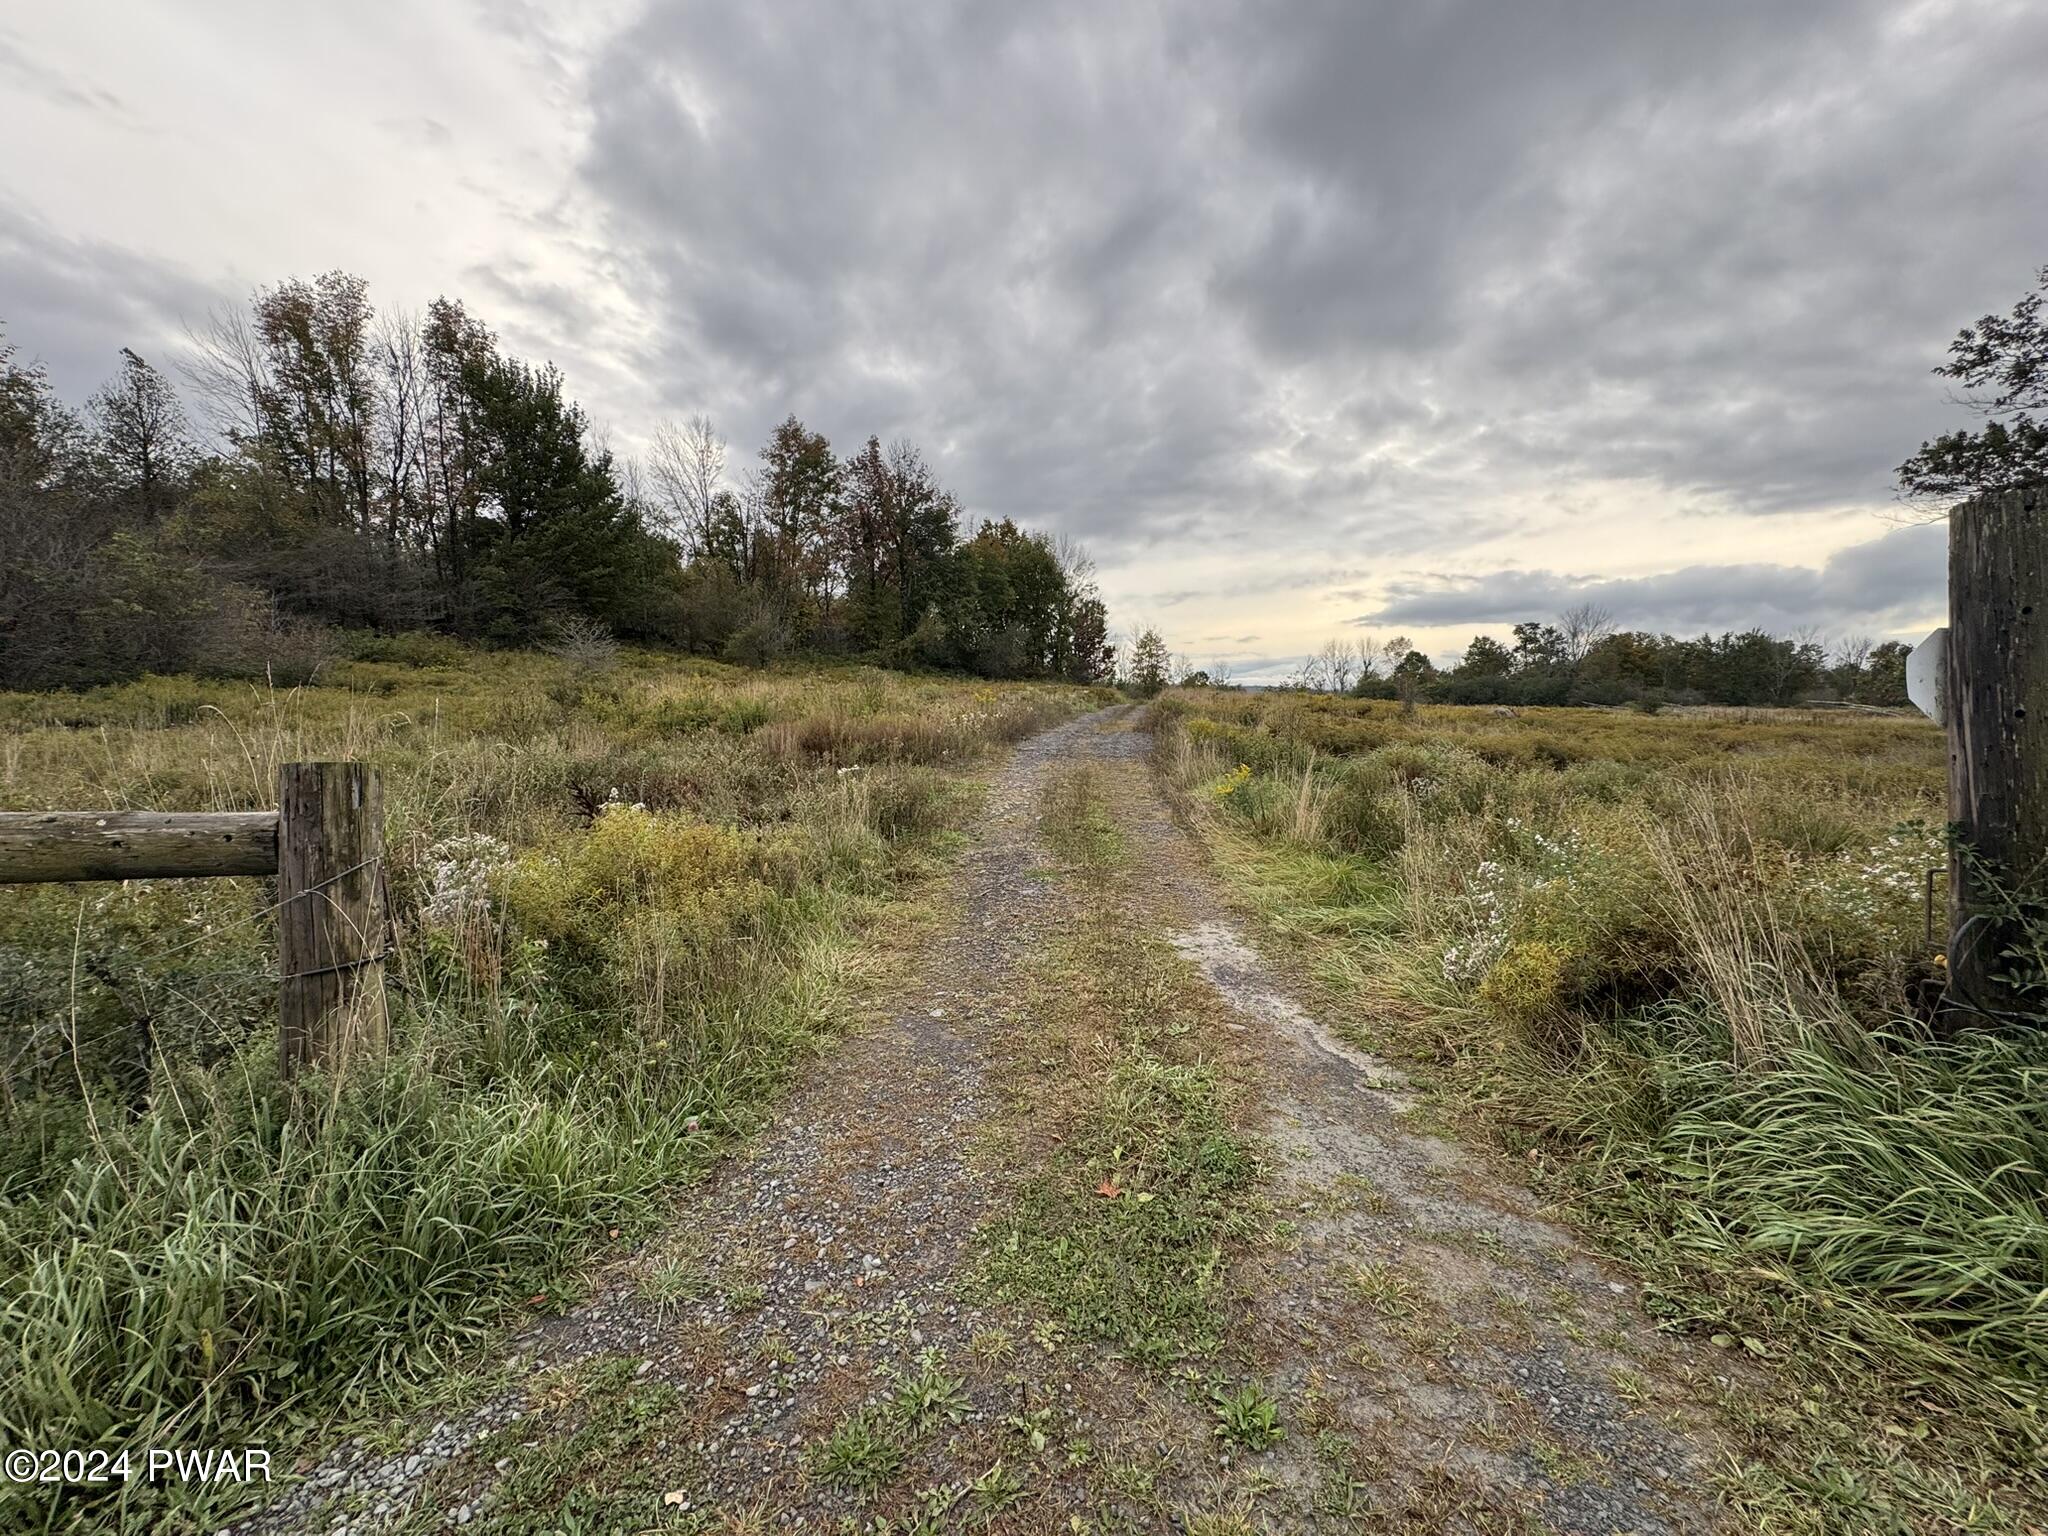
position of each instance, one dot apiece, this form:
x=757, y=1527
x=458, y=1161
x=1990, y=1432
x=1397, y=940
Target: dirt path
x=812, y=1349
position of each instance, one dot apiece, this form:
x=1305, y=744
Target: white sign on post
x=1926, y=674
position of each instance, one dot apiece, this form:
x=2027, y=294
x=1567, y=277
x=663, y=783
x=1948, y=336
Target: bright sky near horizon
x=1314, y=319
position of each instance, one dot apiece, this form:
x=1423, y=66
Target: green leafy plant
x=927, y=1396
x=861, y=1453
x=1246, y=1416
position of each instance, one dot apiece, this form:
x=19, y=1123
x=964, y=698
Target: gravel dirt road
x=815, y=1345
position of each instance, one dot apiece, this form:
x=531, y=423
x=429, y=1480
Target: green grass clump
x=861, y=1453
x=867, y=1448
x=928, y=1396
x=1246, y=1416
x=588, y=1464
x=1140, y=1267
x=1077, y=823
x=1907, y=1183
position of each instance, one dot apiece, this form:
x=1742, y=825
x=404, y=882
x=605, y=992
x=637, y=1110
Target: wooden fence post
x=1996, y=709
x=332, y=935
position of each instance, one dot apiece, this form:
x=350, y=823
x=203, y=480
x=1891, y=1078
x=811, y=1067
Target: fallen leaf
x=1142, y=1196
x=1109, y=1189
x=534, y=1301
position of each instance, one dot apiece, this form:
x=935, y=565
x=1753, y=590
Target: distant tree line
x=391, y=472
x=1582, y=658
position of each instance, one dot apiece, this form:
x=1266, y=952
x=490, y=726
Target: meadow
x=1680, y=964
x=628, y=891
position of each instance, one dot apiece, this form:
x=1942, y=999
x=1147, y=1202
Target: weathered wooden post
x=332, y=936
x=1995, y=706
x=40, y=846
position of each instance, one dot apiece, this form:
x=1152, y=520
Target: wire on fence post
x=332, y=930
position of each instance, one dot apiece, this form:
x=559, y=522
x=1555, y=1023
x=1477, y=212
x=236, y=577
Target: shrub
x=1361, y=819
x=638, y=891
x=762, y=640
x=1528, y=989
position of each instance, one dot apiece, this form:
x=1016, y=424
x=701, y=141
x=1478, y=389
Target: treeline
x=1584, y=659
x=351, y=470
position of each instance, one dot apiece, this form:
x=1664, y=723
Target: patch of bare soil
x=809, y=1350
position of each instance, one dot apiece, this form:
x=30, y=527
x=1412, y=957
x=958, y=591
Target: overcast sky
x=1308, y=318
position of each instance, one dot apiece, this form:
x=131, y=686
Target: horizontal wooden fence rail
x=135, y=845
x=325, y=846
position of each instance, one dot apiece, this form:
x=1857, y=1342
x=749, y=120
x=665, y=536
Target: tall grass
x=624, y=898
x=1907, y=1184
x=1684, y=962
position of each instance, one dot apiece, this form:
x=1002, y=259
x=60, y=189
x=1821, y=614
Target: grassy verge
x=1674, y=965
x=1140, y=1181
x=626, y=903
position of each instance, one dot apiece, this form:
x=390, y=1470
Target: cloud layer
x=1281, y=308
x=1888, y=584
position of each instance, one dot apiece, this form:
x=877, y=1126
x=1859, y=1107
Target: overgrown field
x=1682, y=965
x=624, y=889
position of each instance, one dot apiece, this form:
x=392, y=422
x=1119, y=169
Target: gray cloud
x=1307, y=293
x=1160, y=275
x=51, y=84
x=1878, y=586
x=84, y=300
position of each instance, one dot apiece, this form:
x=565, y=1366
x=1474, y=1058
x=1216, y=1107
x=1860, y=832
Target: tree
x=798, y=489
x=865, y=535
x=389, y=471
x=1408, y=668
x=316, y=399
x=402, y=412
x=1093, y=658
x=1884, y=675
x=1538, y=647
x=1580, y=629
x=34, y=428
x=1485, y=657
x=688, y=469
x=1149, y=663
x=1337, y=663
x=532, y=465
x=558, y=536
x=1007, y=612
x=926, y=528
x=2001, y=364
x=143, y=434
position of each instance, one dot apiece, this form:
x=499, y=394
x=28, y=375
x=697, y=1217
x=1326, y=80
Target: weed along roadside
x=626, y=907
x=1680, y=971
x=1066, y=1235
x=834, y=1101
